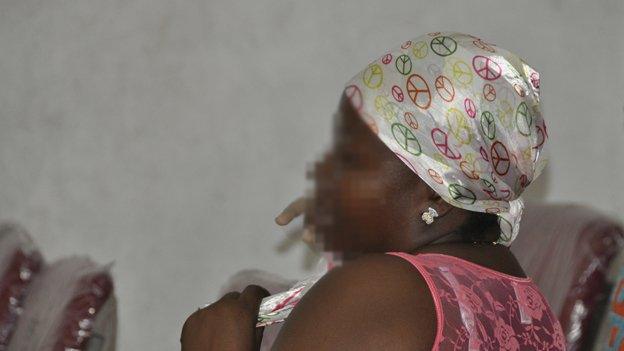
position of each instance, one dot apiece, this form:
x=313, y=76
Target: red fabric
x=481, y=309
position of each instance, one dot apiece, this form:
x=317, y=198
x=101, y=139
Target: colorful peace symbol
x=406, y=44
x=524, y=181
x=500, y=158
x=410, y=120
x=505, y=112
x=486, y=68
x=458, y=126
x=373, y=76
x=403, y=64
x=397, y=93
x=489, y=93
x=462, y=73
x=406, y=139
x=519, y=90
x=524, y=120
x=440, y=140
x=443, y=46
x=445, y=88
x=462, y=194
x=484, y=154
x=488, y=125
x=386, y=59
x=535, y=81
x=508, y=228
x=420, y=49
x=418, y=91
x=489, y=189
x=469, y=169
x=355, y=96
x=435, y=176
x=470, y=107
x=483, y=46
x=385, y=107
x=541, y=137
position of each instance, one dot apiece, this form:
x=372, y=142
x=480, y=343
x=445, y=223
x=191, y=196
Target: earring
x=429, y=215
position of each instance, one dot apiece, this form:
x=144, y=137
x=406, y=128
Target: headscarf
x=461, y=113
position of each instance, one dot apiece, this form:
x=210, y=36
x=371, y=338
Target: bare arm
x=378, y=302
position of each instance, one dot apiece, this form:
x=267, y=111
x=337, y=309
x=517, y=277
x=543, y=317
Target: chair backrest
x=567, y=250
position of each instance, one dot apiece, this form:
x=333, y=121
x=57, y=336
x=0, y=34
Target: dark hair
x=480, y=227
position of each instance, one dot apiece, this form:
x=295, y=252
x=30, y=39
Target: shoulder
x=370, y=303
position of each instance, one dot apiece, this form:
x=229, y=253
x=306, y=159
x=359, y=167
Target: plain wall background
x=165, y=136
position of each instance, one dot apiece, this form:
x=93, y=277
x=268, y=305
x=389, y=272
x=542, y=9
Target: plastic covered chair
x=567, y=251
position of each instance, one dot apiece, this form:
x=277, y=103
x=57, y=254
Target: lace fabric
x=481, y=309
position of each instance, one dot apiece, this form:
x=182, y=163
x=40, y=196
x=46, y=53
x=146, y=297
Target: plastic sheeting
x=19, y=263
x=567, y=251
x=70, y=306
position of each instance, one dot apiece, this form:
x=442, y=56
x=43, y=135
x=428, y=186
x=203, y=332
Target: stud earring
x=429, y=215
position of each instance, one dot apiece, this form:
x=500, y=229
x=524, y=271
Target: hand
x=295, y=209
x=226, y=325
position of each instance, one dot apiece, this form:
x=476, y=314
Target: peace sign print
x=519, y=90
x=397, y=93
x=420, y=49
x=504, y=113
x=410, y=120
x=541, y=138
x=440, y=140
x=524, y=120
x=488, y=125
x=483, y=46
x=435, y=176
x=462, y=73
x=373, y=76
x=470, y=107
x=469, y=169
x=500, y=158
x=445, y=88
x=535, y=81
x=406, y=45
x=489, y=93
x=406, y=139
x=486, y=68
x=403, y=64
x=443, y=46
x=386, y=59
x=418, y=91
x=385, y=107
x=489, y=189
x=355, y=96
x=462, y=194
x=506, y=229
x=458, y=126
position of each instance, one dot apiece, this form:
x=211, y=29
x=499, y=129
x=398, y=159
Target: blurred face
x=365, y=199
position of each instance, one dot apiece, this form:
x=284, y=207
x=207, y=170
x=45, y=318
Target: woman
x=418, y=200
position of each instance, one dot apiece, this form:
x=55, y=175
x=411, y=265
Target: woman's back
x=478, y=308
x=447, y=303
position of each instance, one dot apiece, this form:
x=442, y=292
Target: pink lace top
x=481, y=309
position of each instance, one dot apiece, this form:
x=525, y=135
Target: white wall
x=166, y=135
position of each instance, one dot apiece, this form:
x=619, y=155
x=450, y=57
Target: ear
x=438, y=203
